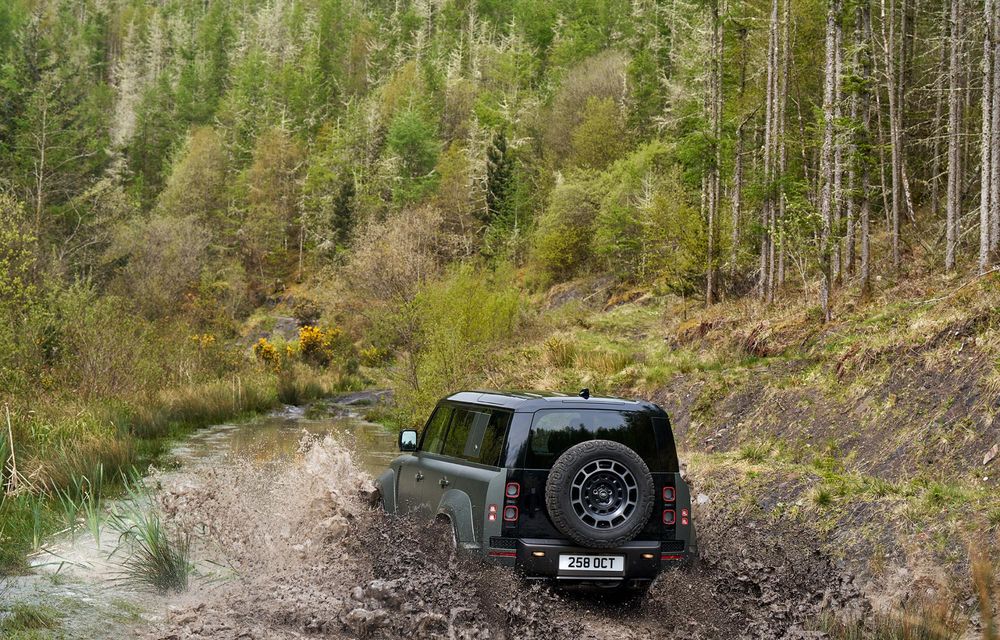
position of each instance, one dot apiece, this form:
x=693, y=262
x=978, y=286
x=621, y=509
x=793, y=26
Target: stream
x=79, y=577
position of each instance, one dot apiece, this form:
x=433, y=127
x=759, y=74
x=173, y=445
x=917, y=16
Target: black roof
x=529, y=401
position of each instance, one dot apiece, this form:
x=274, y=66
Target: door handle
x=419, y=476
x=444, y=482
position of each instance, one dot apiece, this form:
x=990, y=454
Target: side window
x=496, y=432
x=435, y=430
x=454, y=445
x=477, y=436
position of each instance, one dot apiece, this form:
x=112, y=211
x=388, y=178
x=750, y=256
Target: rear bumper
x=539, y=559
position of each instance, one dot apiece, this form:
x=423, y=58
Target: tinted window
x=435, y=430
x=487, y=448
x=555, y=430
x=477, y=435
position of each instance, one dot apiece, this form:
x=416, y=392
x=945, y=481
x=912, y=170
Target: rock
x=702, y=499
x=992, y=454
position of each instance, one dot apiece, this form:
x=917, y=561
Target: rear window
x=553, y=431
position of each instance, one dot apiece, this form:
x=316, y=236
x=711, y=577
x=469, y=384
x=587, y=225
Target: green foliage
x=22, y=618
x=646, y=227
x=17, y=254
x=563, y=240
x=271, y=224
x=600, y=138
x=455, y=323
x=600, y=77
x=499, y=175
x=196, y=187
x=413, y=140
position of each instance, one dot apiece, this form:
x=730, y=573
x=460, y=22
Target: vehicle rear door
x=418, y=485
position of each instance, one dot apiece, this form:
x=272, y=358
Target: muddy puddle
x=77, y=577
x=286, y=546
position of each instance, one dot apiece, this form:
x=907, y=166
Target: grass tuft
x=822, y=497
x=559, y=352
x=22, y=617
x=156, y=557
x=755, y=452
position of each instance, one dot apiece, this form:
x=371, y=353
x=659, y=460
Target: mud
x=296, y=551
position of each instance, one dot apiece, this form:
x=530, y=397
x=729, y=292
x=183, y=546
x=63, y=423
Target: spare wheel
x=600, y=494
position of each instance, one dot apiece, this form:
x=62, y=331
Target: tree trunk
x=937, y=127
x=995, y=127
x=827, y=157
x=986, y=147
x=714, y=184
x=786, y=55
x=954, y=135
x=865, y=19
x=737, y=202
x=767, y=253
x=888, y=48
x=838, y=156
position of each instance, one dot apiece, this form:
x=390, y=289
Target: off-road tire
x=565, y=512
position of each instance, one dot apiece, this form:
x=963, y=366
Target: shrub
x=155, y=557
x=394, y=257
x=318, y=347
x=562, y=242
x=164, y=258
x=456, y=322
x=605, y=362
x=268, y=354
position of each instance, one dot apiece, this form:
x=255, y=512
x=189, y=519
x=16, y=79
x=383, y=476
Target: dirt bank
x=297, y=552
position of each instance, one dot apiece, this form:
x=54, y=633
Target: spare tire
x=600, y=494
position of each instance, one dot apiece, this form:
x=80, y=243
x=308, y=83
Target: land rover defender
x=579, y=489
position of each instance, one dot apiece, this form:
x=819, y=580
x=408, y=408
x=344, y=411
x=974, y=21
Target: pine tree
x=499, y=177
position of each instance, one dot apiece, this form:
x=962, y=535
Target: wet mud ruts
x=301, y=554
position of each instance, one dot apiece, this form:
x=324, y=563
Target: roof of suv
x=529, y=401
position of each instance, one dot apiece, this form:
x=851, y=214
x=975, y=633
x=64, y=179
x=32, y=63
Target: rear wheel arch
x=456, y=507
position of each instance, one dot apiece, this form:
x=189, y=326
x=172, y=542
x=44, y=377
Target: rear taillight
x=684, y=516
x=513, y=490
x=510, y=514
x=668, y=494
x=669, y=517
x=492, y=513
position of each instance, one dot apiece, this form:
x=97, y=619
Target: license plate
x=591, y=564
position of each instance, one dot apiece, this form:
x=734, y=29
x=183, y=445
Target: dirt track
x=304, y=556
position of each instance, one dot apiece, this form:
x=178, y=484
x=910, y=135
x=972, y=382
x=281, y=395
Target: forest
x=417, y=183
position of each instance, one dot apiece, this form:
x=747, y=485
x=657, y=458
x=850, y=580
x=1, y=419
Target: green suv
x=581, y=489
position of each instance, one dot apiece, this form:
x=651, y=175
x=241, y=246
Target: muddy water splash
x=301, y=552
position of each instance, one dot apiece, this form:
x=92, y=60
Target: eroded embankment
x=302, y=554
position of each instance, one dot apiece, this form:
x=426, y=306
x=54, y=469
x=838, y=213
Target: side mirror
x=408, y=440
